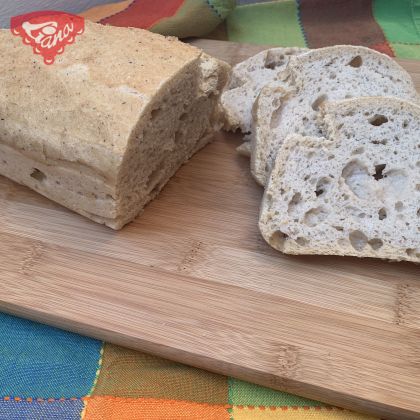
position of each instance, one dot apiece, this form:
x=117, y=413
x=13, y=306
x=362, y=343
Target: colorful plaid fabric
x=46, y=373
x=389, y=26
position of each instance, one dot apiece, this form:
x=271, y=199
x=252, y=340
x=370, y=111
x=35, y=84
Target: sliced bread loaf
x=355, y=191
x=246, y=80
x=325, y=74
x=104, y=128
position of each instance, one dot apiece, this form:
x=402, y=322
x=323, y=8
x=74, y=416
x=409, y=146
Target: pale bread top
x=88, y=102
x=246, y=80
x=354, y=192
x=329, y=73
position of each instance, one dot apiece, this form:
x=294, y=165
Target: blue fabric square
x=44, y=362
x=59, y=410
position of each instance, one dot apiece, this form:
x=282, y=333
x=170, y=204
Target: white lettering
x=47, y=34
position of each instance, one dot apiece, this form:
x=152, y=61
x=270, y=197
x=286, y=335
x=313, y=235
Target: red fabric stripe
x=144, y=13
x=328, y=22
x=384, y=48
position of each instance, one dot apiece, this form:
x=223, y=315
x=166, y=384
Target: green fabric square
x=399, y=19
x=245, y=393
x=406, y=50
x=272, y=23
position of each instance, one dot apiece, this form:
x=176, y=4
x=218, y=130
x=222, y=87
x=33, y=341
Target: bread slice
x=104, y=128
x=246, y=80
x=330, y=73
x=354, y=192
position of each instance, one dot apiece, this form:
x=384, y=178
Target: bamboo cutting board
x=193, y=281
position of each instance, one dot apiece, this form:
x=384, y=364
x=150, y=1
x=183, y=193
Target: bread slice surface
x=355, y=191
x=330, y=73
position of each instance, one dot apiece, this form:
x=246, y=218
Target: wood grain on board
x=192, y=280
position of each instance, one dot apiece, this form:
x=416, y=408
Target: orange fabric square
x=112, y=408
x=129, y=373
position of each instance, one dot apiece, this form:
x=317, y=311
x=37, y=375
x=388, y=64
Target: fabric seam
x=95, y=381
x=227, y=406
x=214, y=8
x=299, y=19
x=37, y=399
x=117, y=13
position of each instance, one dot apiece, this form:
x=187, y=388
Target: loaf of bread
x=246, y=80
x=103, y=129
x=311, y=78
x=354, y=191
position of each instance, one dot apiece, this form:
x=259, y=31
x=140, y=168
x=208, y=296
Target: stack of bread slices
x=334, y=137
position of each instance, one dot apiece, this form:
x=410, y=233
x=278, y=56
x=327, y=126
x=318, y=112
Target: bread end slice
x=266, y=112
x=246, y=81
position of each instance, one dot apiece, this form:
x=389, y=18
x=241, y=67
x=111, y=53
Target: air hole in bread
x=382, y=213
x=155, y=113
x=383, y=142
x=318, y=102
x=302, y=241
x=322, y=186
x=399, y=206
x=271, y=65
x=358, y=240
x=275, y=117
x=358, y=151
x=314, y=216
x=278, y=239
x=272, y=60
x=331, y=157
x=375, y=243
x=356, y=61
x=294, y=203
x=418, y=212
x=38, y=175
x=405, y=124
x=339, y=228
x=357, y=178
x=235, y=82
x=413, y=252
x=379, y=171
x=276, y=102
x=377, y=120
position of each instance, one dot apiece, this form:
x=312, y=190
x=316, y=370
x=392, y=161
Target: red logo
x=48, y=31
